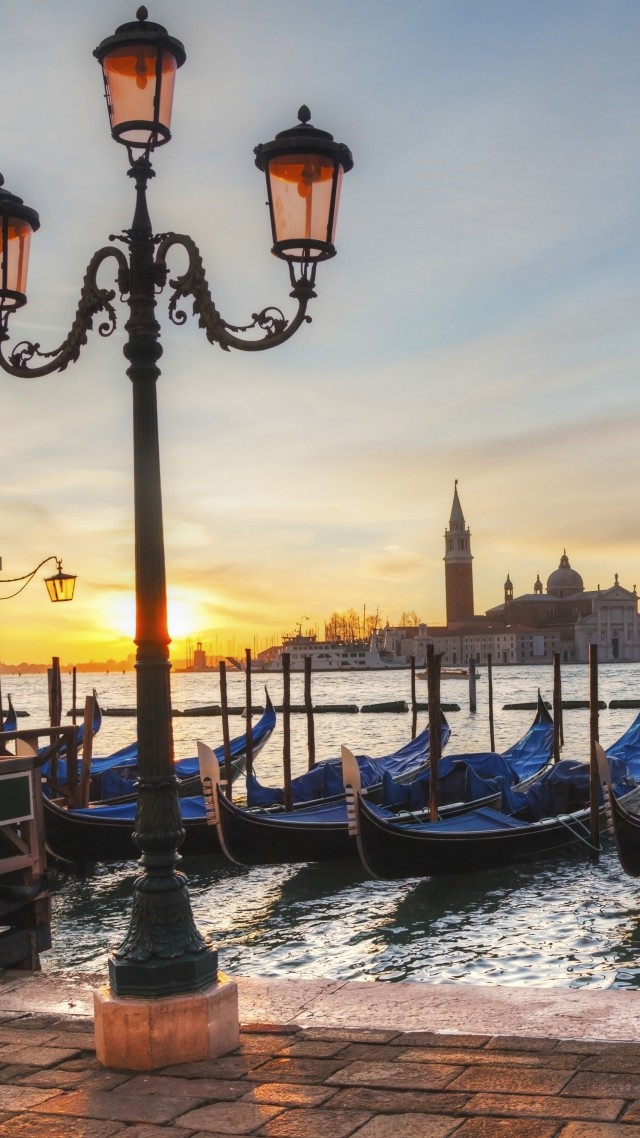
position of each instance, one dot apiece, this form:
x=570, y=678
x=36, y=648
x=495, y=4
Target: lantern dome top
x=138, y=32
x=13, y=205
x=306, y=138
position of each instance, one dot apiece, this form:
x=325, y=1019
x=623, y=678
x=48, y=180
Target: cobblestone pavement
x=320, y=1082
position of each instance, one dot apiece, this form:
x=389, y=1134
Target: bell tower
x=458, y=568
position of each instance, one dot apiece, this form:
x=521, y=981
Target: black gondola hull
x=388, y=852
x=626, y=833
x=250, y=838
x=81, y=839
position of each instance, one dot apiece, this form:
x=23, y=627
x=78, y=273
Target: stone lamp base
x=143, y=1035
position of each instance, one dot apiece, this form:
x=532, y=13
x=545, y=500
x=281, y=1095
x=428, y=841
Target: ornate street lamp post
x=163, y=953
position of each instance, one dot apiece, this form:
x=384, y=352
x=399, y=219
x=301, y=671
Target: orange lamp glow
x=139, y=63
x=304, y=169
x=17, y=223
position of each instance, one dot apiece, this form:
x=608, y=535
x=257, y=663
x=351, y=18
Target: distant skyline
x=479, y=322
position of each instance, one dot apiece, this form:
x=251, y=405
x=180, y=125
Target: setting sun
x=185, y=616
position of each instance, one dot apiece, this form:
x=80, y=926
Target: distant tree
x=410, y=619
x=344, y=625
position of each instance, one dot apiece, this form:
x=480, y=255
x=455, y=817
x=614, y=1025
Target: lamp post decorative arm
x=93, y=300
x=193, y=282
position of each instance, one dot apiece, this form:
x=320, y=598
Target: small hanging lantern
x=139, y=63
x=17, y=223
x=304, y=168
x=61, y=586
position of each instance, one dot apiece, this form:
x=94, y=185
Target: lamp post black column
x=163, y=953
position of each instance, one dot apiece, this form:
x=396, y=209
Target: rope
x=585, y=841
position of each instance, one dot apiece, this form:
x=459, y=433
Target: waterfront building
x=560, y=618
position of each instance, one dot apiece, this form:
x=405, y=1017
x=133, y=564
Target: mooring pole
x=472, y=685
x=248, y=709
x=558, y=737
x=414, y=702
x=594, y=781
x=286, y=729
x=492, y=741
x=308, y=706
x=226, y=741
x=433, y=683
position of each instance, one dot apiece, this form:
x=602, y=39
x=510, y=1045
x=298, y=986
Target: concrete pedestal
x=143, y=1035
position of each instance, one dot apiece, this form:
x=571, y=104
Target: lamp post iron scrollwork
x=163, y=953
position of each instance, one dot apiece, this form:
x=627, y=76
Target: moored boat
x=324, y=780
x=104, y=833
x=318, y=831
x=114, y=778
x=623, y=818
x=552, y=815
x=103, y=830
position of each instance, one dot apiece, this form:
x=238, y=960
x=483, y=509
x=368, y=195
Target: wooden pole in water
x=308, y=706
x=74, y=695
x=55, y=692
x=248, y=709
x=558, y=738
x=433, y=684
x=414, y=702
x=226, y=742
x=1, y=709
x=492, y=739
x=594, y=781
x=286, y=729
x=472, y=685
x=87, y=752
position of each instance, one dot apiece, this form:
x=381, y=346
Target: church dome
x=564, y=581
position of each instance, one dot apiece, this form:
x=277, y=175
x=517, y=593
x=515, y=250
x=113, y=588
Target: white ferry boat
x=328, y=655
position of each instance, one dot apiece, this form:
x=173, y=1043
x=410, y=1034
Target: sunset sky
x=481, y=320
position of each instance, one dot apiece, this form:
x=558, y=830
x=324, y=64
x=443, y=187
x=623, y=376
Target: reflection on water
x=561, y=922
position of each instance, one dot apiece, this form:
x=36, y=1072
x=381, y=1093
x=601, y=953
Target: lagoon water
x=564, y=922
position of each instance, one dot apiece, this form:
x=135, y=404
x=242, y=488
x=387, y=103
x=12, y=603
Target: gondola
x=113, y=779
x=10, y=724
x=324, y=780
x=11, y=718
x=623, y=819
x=552, y=815
x=319, y=831
x=102, y=831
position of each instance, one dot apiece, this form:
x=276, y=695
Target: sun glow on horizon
x=185, y=615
